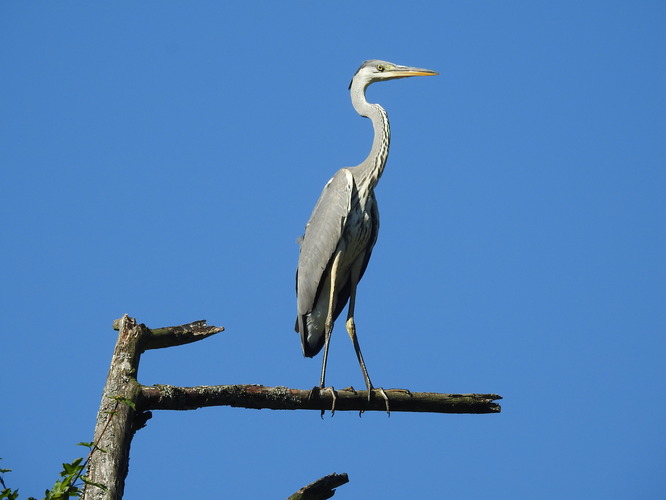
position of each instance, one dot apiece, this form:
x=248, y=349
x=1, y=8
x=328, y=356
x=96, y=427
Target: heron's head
x=375, y=70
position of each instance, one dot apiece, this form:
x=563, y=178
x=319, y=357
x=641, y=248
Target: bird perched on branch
x=343, y=227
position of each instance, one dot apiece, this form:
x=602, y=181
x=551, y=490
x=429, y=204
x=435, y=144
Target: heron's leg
x=328, y=330
x=351, y=330
x=327, y=338
x=328, y=325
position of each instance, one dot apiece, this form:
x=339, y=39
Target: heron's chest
x=359, y=228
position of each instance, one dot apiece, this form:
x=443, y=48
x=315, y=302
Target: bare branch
x=170, y=336
x=167, y=397
x=321, y=489
x=126, y=404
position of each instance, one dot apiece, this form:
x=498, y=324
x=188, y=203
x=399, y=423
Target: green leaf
x=68, y=469
x=88, y=481
x=9, y=494
x=124, y=400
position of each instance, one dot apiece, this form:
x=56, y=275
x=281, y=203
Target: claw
x=386, y=400
x=334, y=397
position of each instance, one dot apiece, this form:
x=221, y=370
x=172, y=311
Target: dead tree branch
x=126, y=405
x=117, y=423
x=170, y=336
x=167, y=397
x=321, y=489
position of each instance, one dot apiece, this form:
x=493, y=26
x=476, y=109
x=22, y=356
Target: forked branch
x=115, y=435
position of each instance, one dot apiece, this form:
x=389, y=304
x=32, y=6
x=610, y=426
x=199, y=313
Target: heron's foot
x=382, y=392
x=350, y=389
x=384, y=396
x=404, y=391
x=334, y=397
x=386, y=400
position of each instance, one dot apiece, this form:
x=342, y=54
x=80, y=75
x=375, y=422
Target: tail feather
x=311, y=344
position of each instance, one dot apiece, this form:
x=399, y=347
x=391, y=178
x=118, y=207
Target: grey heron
x=343, y=227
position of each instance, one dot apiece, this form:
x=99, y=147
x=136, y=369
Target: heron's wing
x=322, y=235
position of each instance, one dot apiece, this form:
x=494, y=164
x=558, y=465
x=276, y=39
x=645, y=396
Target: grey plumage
x=343, y=228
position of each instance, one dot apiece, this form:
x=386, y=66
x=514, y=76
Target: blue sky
x=161, y=158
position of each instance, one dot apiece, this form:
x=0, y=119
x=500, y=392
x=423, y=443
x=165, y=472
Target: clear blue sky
x=161, y=158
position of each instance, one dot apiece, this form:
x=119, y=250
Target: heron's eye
x=380, y=67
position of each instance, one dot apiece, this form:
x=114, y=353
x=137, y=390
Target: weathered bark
x=113, y=432
x=126, y=404
x=117, y=420
x=167, y=397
